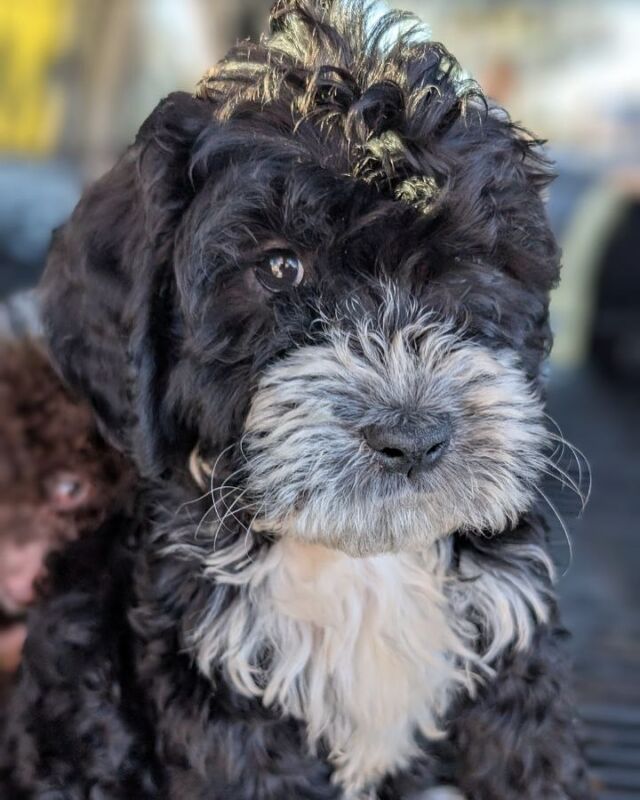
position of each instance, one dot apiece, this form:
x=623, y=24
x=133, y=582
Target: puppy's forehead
x=333, y=222
x=338, y=94
x=272, y=186
x=323, y=159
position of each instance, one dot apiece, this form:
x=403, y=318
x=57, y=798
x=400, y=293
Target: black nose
x=409, y=448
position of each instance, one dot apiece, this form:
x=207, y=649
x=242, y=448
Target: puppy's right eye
x=279, y=270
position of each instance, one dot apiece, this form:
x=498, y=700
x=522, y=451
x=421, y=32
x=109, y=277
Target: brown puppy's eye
x=280, y=270
x=67, y=491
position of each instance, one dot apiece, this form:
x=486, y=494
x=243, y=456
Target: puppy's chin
x=392, y=526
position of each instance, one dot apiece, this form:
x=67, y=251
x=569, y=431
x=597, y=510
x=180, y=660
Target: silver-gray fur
x=312, y=475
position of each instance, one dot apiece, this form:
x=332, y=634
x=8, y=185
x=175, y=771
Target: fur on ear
x=108, y=288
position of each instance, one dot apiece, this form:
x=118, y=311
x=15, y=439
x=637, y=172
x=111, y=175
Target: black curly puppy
x=311, y=302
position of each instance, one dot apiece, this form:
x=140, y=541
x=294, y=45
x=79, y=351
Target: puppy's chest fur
x=366, y=651
x=373, y=650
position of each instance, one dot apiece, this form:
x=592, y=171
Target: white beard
x=366, y=651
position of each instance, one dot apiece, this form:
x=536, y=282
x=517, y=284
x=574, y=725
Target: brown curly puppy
x=58, y=478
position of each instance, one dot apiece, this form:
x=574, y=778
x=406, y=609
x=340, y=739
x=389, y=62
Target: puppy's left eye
x=279, y=270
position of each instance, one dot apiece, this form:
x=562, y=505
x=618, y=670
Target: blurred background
x=77, y=77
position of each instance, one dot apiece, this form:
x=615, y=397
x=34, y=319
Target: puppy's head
x=331, y=266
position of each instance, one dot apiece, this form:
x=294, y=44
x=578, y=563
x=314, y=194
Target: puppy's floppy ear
x=108, y=287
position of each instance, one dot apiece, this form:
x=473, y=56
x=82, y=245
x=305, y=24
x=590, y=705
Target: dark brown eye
x=280, y=270
x=67, y=491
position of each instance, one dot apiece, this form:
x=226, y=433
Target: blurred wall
x=77, y=78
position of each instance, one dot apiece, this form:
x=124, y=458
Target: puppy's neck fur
x=368, y=652
x=374, y=656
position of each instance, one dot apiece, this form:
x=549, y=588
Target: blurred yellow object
x=34, y=35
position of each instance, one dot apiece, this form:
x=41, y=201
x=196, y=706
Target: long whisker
x=559, y=436
x=248, y=530
x=562, y=525
x=222, y=518
x=578, y=455
x=229, y=510
x=214, y=503
x=581, y=460
x=236, y=515
x=557, y=473
x=194, y=469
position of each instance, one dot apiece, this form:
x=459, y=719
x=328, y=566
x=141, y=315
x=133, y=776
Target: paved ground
x=601, y=591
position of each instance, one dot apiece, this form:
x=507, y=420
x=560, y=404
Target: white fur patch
x=367, y=651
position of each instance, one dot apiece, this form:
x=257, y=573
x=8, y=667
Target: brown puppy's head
x=57, y=476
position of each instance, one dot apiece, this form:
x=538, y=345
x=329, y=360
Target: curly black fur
x=377, y=163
